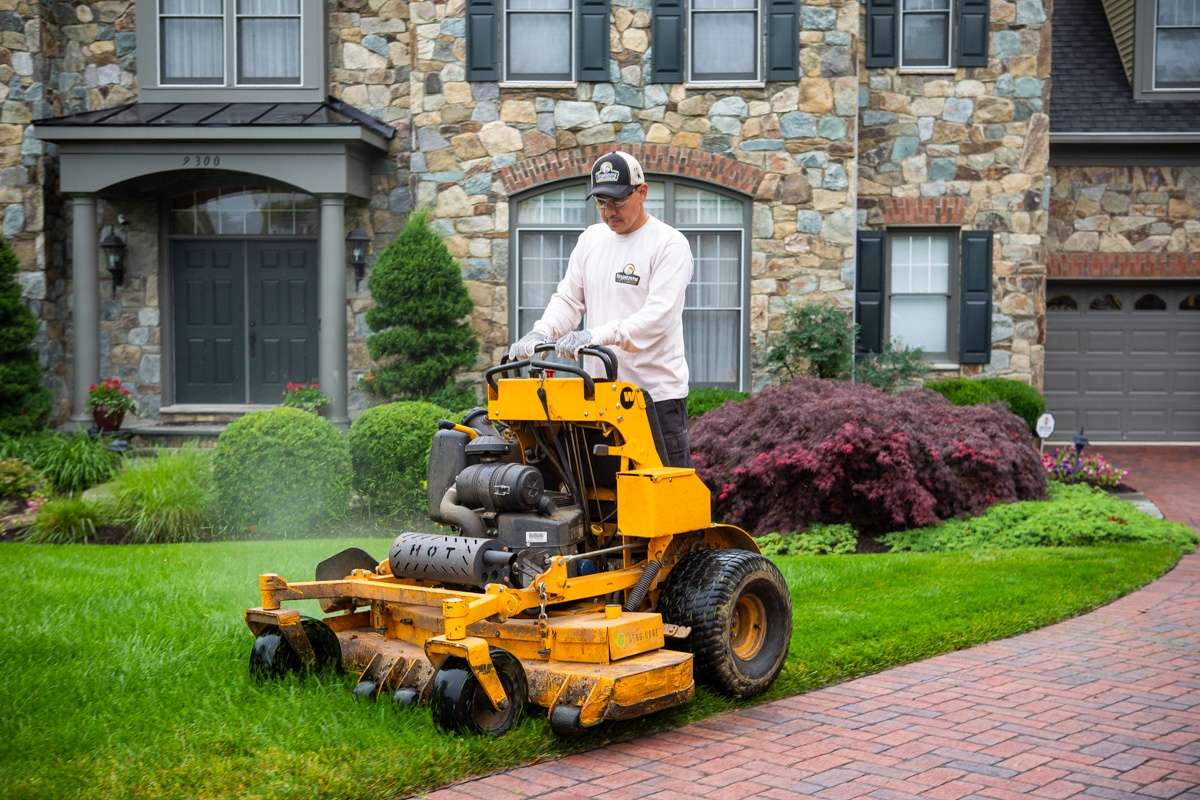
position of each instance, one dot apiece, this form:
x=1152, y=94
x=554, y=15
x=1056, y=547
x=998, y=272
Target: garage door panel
x=1062, y=380
x=1131, y=375
x=1107, y=380
x=1104, y=342
x=1156, y=381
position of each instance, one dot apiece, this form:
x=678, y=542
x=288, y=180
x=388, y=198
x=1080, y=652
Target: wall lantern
x=357, y=241
x=114, y=259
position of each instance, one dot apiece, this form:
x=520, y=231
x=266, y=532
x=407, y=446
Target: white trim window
x=202, y=41
x=268, y=37
x=725, y=41
x=539, y=41
x=1177, y=45
x=920, y=288
x=926, y=34
x=547, y=226
x=192, y=42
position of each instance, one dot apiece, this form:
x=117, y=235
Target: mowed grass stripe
x=124, y=668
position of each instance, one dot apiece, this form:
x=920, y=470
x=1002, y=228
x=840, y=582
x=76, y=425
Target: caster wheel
x=272, y=656
x=405, y=697
x=365, y=690
x=564, y=721
x=460, y=704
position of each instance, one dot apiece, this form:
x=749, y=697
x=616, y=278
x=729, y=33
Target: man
x=628, y=274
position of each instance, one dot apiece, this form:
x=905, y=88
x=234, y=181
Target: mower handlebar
x=605, y=354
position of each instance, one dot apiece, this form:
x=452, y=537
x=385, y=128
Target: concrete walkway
x=1106, y=705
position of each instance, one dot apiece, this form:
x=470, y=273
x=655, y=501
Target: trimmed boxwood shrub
x=962, y=391
x=1022, y=399
x=816, y=451
x=282, y=472
x=390, y=448
x=701, y=401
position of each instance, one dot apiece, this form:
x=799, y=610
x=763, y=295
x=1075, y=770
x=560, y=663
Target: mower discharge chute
x=575, y=555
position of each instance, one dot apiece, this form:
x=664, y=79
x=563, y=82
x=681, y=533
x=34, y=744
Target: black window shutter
x=783, y=40
x=593, y=40
x=483, y=40
x=868, y=291
x=975, y=320
x=972, y=33
x=882, y=24
x=666, y=37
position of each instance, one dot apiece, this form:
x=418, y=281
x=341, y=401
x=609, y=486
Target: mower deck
x=631, y=687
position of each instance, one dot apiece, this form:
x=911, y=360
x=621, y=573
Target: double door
x=245, y=318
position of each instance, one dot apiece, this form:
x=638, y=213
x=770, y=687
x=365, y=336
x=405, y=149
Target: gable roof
x=1090, y=92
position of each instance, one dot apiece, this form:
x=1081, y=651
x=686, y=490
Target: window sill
x=539, y=84
x=725, y=85
x=943, y=366
x=927, y=70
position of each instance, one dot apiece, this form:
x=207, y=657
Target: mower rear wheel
x=460, y=705
x=740, y=612
x=273, y=657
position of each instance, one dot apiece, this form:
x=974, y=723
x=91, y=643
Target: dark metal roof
x=1089, y=91
x=332, y=112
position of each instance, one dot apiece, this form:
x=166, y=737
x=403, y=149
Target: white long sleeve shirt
x=632, y=289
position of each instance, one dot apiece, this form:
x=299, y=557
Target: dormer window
x=1167, y=50
x=232, y=50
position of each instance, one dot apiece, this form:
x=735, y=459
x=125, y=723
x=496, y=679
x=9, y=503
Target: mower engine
x=510, y=524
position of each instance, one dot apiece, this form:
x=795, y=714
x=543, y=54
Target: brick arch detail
x=654, y=158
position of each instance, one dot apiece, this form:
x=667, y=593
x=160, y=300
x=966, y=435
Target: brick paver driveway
x=1106, y=705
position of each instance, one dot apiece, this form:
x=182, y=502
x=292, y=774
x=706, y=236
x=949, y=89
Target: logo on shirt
x=629, y=276
x=606, y=174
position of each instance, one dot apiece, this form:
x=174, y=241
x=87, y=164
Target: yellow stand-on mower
x=576, y=557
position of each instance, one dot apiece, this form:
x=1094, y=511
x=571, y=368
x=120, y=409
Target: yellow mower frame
x=585, y=660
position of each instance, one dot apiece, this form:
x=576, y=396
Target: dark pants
x=672, y=423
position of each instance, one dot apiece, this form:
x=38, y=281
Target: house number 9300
x=201, y=161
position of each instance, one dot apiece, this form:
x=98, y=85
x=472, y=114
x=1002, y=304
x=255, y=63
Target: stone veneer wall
x=799, y=136
x=975, y=142
x=1128, y=209
x=59, y=58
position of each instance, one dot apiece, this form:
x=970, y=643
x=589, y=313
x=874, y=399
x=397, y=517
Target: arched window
x=244, y=211
x=1062, y=302
x=1190, y=303
x=1105, y=302
x=547, y=225
x=1150, y=302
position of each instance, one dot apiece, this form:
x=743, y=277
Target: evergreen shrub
x=701, y=401
x=816, y=451
x=419, y=338
x=24, y=403
x=282, y=472
x=817, y=340
x=389, y=445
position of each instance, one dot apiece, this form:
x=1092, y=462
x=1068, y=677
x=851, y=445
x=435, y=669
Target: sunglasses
x=604, y=205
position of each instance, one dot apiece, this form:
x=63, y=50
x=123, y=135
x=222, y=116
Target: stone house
x=899, y=157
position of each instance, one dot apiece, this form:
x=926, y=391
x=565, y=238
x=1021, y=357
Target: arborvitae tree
x=24, y=404
x=419, y=338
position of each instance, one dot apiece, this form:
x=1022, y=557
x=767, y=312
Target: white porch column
x=332, y=306
x=85, y=295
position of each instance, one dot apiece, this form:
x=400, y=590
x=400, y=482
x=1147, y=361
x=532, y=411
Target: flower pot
x=106, y=419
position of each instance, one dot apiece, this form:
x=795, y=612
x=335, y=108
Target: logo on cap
x=606, y=174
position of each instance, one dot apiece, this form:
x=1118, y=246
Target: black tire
x=740, y=612
x=460, y=705
x=272, y=656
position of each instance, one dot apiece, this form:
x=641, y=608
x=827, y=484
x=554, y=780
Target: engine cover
x=562, y=529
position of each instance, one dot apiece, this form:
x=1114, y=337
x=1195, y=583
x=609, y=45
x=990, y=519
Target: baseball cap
x=616, y=175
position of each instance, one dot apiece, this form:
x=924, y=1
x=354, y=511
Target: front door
x=282, y=316
x=245, y=318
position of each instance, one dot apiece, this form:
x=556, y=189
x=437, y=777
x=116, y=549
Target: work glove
x=569, y=345
x=523, y=348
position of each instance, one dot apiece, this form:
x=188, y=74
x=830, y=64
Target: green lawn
x=125, y=667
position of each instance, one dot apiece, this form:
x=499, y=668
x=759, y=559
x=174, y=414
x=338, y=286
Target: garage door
x=1123, y=360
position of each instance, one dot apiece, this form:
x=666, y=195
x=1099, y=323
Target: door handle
x=253, y=342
